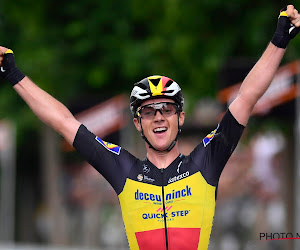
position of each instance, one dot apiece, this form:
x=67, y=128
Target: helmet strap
x=171, y=145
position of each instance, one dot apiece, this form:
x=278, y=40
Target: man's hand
x=8, y=67
x=287, y=26
x=2, y=51
x=294, y=16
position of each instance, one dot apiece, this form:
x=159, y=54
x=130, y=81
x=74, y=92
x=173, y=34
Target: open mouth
x=159, y=130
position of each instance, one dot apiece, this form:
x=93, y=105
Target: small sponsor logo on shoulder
x=179, y=177
x=146, y=169
x=109, y=146
x=147, y=178
x=140, y=177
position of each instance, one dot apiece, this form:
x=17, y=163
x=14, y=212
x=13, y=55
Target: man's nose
x=158, y=115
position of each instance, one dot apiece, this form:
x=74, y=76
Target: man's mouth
x=159, y=130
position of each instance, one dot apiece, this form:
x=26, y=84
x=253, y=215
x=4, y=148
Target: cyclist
x=168, y=199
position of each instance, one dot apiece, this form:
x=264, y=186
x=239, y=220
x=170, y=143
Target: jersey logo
x=109, y=146
x=209, y=137
x=179, y=167
x=140, y=177
x=146, y=169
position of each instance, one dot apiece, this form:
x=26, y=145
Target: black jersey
x=169, y=208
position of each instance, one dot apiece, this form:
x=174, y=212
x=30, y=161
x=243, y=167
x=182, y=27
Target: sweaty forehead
x=156, y=100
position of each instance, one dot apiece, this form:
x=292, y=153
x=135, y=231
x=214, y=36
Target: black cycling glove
x=285, y=30
x=9, y=70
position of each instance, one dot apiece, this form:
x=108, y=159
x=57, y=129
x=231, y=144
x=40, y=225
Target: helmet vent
x=155, y=82
x=167, y=91
x=141, y=85
x=168, y=84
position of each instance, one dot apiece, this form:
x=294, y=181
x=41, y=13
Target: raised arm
x=48, y=109
x=260, y=77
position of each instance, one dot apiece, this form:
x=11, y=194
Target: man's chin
x=161, y=147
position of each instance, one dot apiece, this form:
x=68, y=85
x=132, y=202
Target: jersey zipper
x=164, y=207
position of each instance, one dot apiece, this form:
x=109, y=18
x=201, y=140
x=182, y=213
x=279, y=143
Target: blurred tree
x=72, y=47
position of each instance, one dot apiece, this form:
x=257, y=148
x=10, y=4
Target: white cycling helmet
x=155, y=87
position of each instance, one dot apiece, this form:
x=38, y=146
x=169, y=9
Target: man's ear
x=181, y=118
x=137, y=124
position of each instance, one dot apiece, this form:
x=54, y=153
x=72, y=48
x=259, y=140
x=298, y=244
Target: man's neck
x=162, y=159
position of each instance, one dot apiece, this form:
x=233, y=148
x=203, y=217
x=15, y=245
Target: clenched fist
x=287, y=26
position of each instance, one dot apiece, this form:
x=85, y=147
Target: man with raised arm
x=167, y=199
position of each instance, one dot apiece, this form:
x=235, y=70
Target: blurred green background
x=101, y=48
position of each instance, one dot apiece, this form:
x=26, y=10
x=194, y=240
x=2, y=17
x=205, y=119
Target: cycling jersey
x=171, y=208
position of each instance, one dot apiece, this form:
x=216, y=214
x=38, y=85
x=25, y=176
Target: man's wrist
x=9, y=70
x=15, y=76
x=280, y=41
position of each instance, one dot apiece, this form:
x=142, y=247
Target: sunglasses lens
x=147, y=112
x=165, y=108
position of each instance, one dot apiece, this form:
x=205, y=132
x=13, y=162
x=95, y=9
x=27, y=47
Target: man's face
x=160, y=130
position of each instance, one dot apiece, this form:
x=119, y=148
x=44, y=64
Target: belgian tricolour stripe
x=209, y=137
x=109, y=146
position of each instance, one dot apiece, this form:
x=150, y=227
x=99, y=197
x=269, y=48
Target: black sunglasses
x=165, y=108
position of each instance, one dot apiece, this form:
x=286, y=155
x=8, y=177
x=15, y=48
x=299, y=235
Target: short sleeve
x=110, y=160
x=213, y=153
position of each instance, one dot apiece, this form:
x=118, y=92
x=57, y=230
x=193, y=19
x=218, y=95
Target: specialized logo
x=109, y=146
x=175, y=194
x=179, y=167
x=2, y=69
x=209, y=137
x=179, y=177
x=291, y=29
